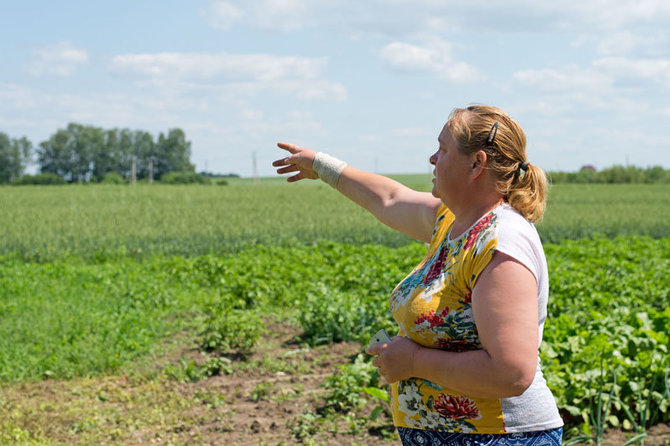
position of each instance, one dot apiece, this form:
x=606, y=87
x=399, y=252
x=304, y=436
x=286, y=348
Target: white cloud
x=291, y=15
x=631, y=70
x=222, y=15
x=611, y=14
x=232, y=74
x=434, y=57
x=565, y=91
x=602, y=76
x=285, y=14
x=18, y=96
x=411, y=16
x=59, y=59
x=567, y=79
x=621, y=42
x=648, y=42
x=230, y=67
x=523, y=15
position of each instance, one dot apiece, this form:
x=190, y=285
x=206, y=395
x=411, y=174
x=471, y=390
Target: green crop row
x=103, y=222
x=607, y=341
x=606, y=336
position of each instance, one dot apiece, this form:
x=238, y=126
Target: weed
x=190, y=371
x=346, y=390
x=233, y=331
x=305, y=426
x=260, y=391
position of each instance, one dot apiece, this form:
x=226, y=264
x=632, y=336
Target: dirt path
x=274, y=397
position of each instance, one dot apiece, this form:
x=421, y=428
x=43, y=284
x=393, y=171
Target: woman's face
x=451, y=170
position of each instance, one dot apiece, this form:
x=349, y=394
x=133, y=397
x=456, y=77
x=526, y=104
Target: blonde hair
x=523, y=185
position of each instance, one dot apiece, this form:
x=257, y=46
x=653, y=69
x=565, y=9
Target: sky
x=371, y=82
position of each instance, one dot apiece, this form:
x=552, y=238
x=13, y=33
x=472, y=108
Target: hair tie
x=524, y=166
x=491, y=137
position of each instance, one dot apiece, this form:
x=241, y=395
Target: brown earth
x=274, y=397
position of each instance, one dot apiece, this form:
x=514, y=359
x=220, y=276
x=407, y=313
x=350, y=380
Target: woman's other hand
x=395, y=359
x=300, y=160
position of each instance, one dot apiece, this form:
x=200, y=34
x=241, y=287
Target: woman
x=464, y=368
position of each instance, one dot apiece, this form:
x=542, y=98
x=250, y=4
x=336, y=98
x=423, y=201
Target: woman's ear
x=478, y=163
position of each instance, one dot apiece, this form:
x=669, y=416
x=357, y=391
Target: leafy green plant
x=191, y=371
x=345, y=389
x=234, y=331
x=336, y=317
x=305, y=425
x=260, y=391
x=648, y=405
x=608, y=302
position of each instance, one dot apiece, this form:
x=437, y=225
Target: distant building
x=588, y=167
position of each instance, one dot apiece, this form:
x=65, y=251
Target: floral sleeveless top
x=433, y=307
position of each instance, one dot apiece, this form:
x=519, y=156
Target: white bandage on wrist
x=328, y=168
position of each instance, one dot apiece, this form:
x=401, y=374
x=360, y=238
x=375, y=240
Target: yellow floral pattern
x=432, y=306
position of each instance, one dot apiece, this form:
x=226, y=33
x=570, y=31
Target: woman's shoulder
x=511, y=224
x=518, y=238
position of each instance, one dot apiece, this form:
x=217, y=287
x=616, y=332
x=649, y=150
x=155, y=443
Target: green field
x=101, y=280
x=101, y=221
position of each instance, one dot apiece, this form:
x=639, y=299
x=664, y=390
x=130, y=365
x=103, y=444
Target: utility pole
x=133, y=171
x=151, y=172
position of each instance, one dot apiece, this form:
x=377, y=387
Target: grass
x=576, y=211
x=69, y=318
x=95, y=221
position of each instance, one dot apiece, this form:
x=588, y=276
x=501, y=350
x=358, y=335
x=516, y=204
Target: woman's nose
x=432, y=158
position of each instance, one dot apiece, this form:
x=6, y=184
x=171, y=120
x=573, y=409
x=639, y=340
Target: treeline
x=82, y=153
x=14, y=157
x=615, y=174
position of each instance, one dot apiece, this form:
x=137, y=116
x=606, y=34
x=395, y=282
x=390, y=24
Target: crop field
x=40, y=224
x=237, y=314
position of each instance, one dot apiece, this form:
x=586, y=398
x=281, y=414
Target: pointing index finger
x=286, y=146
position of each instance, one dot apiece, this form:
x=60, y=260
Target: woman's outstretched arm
x=394, y=204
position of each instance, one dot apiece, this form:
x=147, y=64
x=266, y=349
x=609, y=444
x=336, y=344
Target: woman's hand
x=395, y=359
x=301, y=160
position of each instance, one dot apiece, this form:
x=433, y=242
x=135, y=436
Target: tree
x=87, y=153
x=105, y=155
x=54, y=155
x=89, y=148
x=70, y=152
x=14, y=157
x=76, y=153
x=172, y=154
x=144, y=148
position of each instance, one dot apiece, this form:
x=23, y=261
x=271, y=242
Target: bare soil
x=274, y=397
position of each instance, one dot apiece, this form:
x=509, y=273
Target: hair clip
x=524, y=166
x=491, y=137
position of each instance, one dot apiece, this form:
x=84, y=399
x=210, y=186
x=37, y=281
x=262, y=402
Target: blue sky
x=371, y=82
